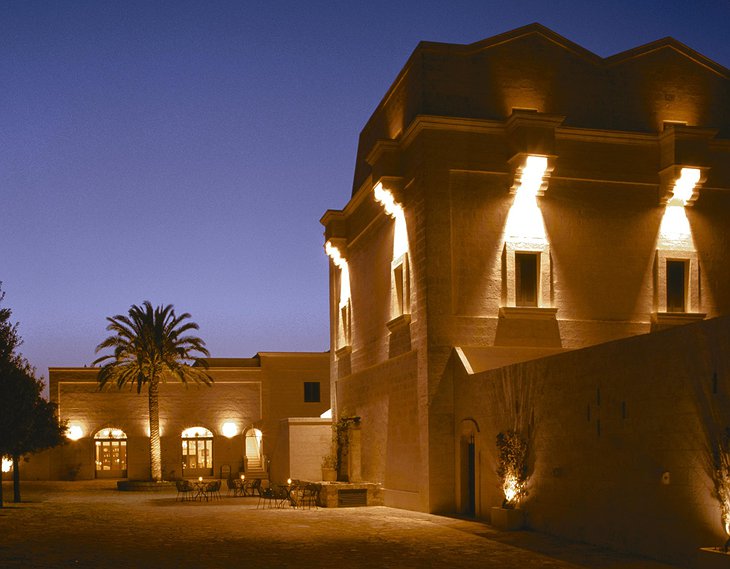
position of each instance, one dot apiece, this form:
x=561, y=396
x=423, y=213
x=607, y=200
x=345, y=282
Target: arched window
x=111, y=453
x=197, y=452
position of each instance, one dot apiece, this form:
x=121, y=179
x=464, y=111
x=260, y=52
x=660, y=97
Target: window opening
x=311, y=391
x=526, y=275
x=676, y=286
x=197, y=451
x=401, y=286
x=111, y=452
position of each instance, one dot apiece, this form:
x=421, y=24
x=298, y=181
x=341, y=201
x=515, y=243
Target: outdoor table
x=200, y=490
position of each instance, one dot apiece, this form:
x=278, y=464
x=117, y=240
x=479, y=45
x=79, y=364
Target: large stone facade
x=237, y=419
x=516, y=199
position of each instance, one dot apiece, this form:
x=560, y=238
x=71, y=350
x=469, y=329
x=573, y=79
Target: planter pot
x=712, y=558
x=507, y=519
x=329, y=475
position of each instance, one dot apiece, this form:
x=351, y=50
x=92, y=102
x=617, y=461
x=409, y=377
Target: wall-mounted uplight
x=684, y=188
x=531, y=176
x=74, y=432
x=229, y=429
x=400, y=238
x=334, y=253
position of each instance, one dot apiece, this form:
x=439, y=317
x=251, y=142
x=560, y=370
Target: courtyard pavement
x=92, y=525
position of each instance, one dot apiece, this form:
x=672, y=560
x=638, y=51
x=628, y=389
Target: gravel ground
x=91, y=524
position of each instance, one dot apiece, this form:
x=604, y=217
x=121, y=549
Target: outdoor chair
x=267, y=497
x=184, y=490
x=310, y=496
x=233, y=486
x=212, y=490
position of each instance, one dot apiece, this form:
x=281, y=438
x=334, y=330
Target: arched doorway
x=255, y=464
x=111, y=453
x=197, y=452
x=468, y=468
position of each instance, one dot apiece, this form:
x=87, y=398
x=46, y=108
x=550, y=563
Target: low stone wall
x=346, y=494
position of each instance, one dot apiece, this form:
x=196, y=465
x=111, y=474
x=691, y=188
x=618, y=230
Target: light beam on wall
x=7, y=464
x=674, y=230
x=340, y=262
x=524, y=221
x=684, y=187
x=394, y=210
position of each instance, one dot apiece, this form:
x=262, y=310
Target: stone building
x=537, y=240
x=231, y=427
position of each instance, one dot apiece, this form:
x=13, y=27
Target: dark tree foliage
x=28, y=423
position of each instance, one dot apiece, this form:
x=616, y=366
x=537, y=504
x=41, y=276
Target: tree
x=28, y=423
x=151, y=345
x=34, y=423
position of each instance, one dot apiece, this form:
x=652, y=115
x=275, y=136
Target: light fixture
x=394, y=210
x=684, y=187
x=229, y=429
x=334, y=253
x=74, y=432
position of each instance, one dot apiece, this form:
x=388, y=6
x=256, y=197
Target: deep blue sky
x=183, y=152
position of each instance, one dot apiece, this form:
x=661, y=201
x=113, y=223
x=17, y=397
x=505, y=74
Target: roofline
x=672, y=43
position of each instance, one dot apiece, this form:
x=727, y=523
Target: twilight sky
x=183, y=152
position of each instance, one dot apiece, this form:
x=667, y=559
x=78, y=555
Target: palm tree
x=151, y=346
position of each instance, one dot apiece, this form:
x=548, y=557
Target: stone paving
x=92, y=525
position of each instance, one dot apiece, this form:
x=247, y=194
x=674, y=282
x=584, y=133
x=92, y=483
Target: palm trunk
x=1, y=483
x=155, y=451
x=16, y=478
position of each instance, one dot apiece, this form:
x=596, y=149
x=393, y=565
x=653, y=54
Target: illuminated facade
x=232, y=426
x=521, y=202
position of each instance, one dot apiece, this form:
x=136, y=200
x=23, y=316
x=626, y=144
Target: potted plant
x=719, y=467
x=512, y=470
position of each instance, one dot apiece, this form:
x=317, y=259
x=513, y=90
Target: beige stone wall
x=254, y=392
x=611, y=425
x=302, y=444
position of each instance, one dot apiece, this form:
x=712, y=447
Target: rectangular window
x=311, y=391
x=676, y=286
x=526, y=278
x=401, y=286
x=345, y=325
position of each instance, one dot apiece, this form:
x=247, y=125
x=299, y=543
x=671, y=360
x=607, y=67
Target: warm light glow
x=7, y=464
x=229, y=429
x=511, y=489
x=194, y=432
x=74, y=432
x=147, y=430
x=200, y=478
x=395, y=210
x=674, y=230
x=327, y=414
x=288, y=481
x=684, y=187
x=340, y=262
x=524, y=221
x=531, y=175
x=243, y=477
x=110, y=433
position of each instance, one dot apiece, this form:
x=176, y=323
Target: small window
x=345, y=325
x=401, y=286
x=676, y=286
x=311, y=391
x=526, y=275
